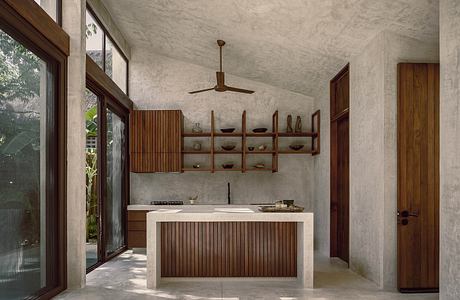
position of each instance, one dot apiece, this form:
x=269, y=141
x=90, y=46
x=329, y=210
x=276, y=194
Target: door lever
x=406, y=213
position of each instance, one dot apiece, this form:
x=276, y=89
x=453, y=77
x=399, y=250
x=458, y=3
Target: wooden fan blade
x=234, y=89
x=205, y=90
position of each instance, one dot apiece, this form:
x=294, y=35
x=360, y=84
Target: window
x=105, y=53
x=115, y=65
x=29, y=251
x=52, y=8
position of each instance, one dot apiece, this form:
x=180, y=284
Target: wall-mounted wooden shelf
x=274, y=150
x=195, y=152
x=157, y=143
x=201, y=134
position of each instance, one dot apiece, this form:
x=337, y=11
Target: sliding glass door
x=29, y=252
x=92, y=107
x=116, y=168
x=106, y=177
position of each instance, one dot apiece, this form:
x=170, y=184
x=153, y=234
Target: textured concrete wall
x=322, y=173
x=450, y=149
x=73, y=22
x=373, y=150
x=366, y=160
x=104, y=16
x=157, y=82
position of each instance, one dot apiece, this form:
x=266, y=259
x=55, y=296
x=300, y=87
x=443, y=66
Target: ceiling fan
x=220, y=86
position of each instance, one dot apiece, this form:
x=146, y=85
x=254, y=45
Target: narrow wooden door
x=418, y=177
x=340, y=165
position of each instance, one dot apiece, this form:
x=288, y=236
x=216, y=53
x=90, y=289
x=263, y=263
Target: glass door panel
x=92, y=175
x=26, y=97
x=114, y=206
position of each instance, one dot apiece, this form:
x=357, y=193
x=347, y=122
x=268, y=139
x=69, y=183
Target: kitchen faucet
x=228, y=194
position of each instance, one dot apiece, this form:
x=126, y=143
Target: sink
x=233, y=210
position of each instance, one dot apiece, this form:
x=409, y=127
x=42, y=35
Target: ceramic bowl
x=227, y=130
x=259, y=130
x=228, y=147
x=296, y=147
x=227, y=166
x=251, y=148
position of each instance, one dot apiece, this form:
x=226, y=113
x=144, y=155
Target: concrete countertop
x=220, y=213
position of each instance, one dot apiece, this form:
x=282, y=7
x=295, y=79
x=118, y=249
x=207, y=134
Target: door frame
x=335, y=117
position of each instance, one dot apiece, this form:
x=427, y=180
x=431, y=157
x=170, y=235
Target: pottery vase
x=298, y=124
x=196, y=128
x=289, y=124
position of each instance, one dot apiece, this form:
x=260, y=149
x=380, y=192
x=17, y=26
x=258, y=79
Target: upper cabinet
x=156, y=141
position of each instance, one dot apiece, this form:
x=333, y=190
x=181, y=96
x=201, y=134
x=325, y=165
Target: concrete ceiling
x=294, y=44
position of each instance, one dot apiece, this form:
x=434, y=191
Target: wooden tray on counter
x=273, y=208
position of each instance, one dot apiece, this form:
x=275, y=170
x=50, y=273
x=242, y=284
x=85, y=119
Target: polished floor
x=124, y=278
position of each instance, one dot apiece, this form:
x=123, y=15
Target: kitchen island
x=228, y=241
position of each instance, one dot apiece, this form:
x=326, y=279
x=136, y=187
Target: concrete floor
x=124, y=278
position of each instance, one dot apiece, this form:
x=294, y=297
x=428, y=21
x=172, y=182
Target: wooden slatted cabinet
x=156, y=141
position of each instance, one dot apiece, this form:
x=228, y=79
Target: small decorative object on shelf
x=262, y=147
x=227, y=165
x=296, y=147
x=197, y=145
x=251, y=148
x=298, y=124
x=196, y=128
x=228, y=146
x=196, y=166
x=259, y=130
x=259, y=166
x=193, y=199
x=289, y=124
x=227, y=130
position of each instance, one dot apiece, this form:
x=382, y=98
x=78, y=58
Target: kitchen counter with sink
x=227, y=241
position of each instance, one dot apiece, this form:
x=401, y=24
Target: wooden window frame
x=106, y=33
x=30, y=25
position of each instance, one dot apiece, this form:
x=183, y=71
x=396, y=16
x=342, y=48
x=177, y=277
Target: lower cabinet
x=229, y=249
x=137, y=228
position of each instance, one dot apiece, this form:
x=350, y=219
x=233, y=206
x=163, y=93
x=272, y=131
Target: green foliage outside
x=20, y=79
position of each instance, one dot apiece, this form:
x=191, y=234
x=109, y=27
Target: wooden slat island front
x=228, y=241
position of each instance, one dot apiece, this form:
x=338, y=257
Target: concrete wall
x=450, y=149
x=73, y=22
x=366, y=160
x=322, y=174
x=157, y=82
x=373, y=149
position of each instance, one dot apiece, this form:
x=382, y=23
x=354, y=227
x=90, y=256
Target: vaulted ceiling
x=293, y=44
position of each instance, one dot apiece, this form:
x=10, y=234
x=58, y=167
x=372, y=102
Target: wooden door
x=418, y=177
x=340, y=165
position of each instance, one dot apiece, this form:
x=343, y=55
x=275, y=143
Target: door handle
x=406, y=213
